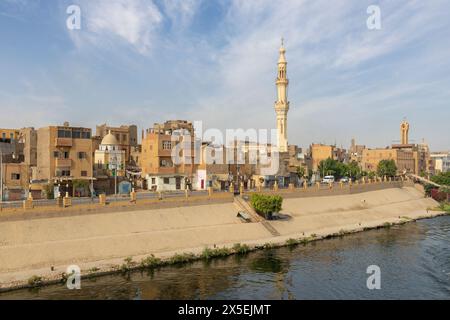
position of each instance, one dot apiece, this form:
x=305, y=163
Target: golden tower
x=282, y=104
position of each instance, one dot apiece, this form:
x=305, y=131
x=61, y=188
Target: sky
x=147, y=61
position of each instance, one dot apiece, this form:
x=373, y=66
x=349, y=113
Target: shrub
x=266, y=204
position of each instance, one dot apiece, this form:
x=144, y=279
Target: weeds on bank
x=151, y=262
x=241, y=249
x=128, y=264
x=35, y=281
x=208, y=253
x=292, y=242
x=182, y=258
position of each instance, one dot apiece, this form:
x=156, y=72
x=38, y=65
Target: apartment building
x=9, y=135
x=64, y=153
x=404, y=159
x=162, y=171
x=440, y=162
x=320, y=152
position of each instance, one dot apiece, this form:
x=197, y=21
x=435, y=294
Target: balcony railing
x=63, y=142
x=63, y=163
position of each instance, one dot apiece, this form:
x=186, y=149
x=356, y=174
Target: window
x=66, y=154
x=82, y=155
x=84, y=173
x=11, y=135
x=15, y=176
x=55, y=154
x=167, y=145
x=76, y=134
x=86, y=135
x=153, y=180
x=63, y=173
x=166, y=181
x=64, y=133
x=3, y=136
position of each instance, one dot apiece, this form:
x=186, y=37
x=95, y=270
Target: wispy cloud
x=129, y=22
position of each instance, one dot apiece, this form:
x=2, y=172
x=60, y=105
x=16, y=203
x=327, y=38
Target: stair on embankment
x=243, y=205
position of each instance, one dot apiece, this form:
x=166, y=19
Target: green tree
x=442, y=179
x=354, y=171
x=332, y=167
x=386, y=168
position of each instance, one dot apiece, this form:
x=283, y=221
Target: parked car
x=345, y=179
x=328, y=179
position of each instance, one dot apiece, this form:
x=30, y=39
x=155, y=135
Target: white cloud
x=130, y=22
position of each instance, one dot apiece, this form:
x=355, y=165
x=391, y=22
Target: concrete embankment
x=46, y=246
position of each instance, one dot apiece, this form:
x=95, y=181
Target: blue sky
x=143, y=61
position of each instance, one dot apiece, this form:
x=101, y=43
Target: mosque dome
x=110, y=140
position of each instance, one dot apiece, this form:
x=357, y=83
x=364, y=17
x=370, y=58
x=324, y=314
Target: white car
x=328, y=179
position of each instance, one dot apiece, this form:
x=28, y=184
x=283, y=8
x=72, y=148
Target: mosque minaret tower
x=282, y=103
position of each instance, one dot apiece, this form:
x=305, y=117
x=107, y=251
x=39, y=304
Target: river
x=414, y=261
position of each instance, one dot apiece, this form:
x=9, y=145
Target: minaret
x=404, y=131
x=282, y=104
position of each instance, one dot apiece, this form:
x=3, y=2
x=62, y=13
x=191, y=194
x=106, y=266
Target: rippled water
x=414, y=261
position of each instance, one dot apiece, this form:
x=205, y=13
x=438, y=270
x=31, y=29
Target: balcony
x=63, y=142
x=63, y=163
x=167, y=170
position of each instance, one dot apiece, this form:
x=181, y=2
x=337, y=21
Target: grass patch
x=292, y=242
x=151, y=262
x=445, y=207
x=182, y=258
x=35, y=281
x=93, y=270
x=241, y=249
x=387, y=225
x=128, y=264
x=208, y=253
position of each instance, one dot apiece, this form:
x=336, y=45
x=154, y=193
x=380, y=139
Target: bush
x=266, y=205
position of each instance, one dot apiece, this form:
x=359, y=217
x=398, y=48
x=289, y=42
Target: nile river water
x=414, y=260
